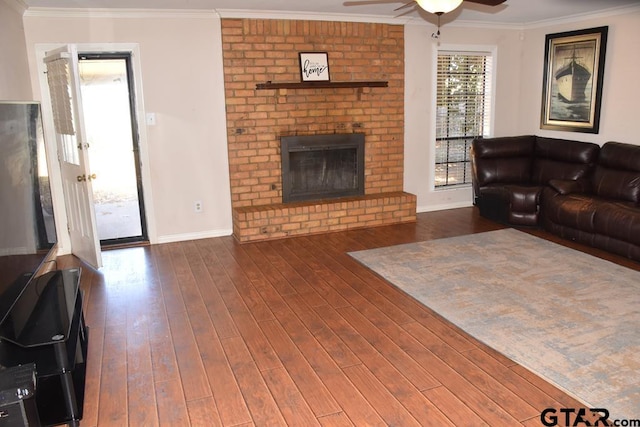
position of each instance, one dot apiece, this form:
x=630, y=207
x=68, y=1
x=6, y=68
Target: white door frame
x=64, y=243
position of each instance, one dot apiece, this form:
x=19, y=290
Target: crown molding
x=63, y=12
x=303, y=16
x=51, y=12
x=17, y=5
x=521, y=26
x=607, y=13
x=309, y=16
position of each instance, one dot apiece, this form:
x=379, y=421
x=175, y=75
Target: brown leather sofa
x=576, y=190
x=509, y=173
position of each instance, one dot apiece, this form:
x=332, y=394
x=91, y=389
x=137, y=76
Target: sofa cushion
x=616, y=184
x=565, y=150
x=573, y=210
x=505, y=160
x=506, y=146
x=617, y=175
x=524, y=198
x=513, y=204
x=616, y=155
x=562, y=159
x=618, y=220
x=568, y=186
x=523, y=209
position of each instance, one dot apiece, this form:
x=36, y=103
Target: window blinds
x=58, y=79
x=463, y=107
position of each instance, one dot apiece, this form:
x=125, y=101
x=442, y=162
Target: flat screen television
x=27, y=227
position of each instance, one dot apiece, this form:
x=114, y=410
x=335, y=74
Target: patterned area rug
x=571, y=318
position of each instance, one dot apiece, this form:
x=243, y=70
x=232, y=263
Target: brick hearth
x=256, y=51
x=294, y=219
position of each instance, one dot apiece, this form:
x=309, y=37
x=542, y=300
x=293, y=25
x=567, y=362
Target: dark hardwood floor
x=291, y=332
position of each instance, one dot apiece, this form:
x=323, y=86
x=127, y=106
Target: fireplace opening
x=317, y=167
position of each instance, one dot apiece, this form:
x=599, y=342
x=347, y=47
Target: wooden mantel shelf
x=321, y=85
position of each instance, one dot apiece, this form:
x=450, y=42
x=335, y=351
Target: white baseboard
x=431, y=208
x=169, y=238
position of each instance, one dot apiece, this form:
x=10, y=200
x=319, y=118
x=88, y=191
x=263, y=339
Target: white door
x=66, y=104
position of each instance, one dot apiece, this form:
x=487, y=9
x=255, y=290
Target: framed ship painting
x=572, y=80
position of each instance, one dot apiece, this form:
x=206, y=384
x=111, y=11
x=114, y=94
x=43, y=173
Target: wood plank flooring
x=290, y=332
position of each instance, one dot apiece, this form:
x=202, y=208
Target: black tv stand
x=45, y=326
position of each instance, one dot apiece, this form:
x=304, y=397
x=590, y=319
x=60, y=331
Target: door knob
x=81, y=178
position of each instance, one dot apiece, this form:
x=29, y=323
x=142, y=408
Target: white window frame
x=492, y=50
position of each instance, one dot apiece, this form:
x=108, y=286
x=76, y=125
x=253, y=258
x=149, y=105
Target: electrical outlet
x=197, y=206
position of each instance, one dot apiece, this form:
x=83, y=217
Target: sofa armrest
x=566, y=186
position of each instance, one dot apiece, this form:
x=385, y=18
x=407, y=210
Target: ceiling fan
x=440, y=7
x=437, y=7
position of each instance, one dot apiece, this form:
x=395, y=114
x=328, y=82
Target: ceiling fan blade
x=404, y=13
x=367, y=2
x=487, y=2
x=409, y=4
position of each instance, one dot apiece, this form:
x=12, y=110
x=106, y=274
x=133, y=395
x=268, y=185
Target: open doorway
x=107, y=89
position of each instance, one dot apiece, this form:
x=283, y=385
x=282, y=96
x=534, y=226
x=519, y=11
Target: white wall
x=420, y=73
x=520, y=61
x=182, y=83
x=621, y=90
x=14, y=68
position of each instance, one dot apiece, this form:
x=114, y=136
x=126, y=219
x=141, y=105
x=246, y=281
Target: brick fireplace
x=259, y=51
x=318, y=167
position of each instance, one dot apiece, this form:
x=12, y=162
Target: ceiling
x=511, y=12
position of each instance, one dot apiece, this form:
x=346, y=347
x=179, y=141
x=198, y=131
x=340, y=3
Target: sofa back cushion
x=617, y=174
x=562, y=159
x=505, y=160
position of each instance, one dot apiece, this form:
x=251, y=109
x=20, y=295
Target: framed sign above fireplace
x=314, y=66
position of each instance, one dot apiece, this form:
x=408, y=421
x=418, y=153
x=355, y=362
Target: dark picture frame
x=314, y=66
x=572, y=80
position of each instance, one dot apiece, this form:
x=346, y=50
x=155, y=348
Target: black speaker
x=17, y=397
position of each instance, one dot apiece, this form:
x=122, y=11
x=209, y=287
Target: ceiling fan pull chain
x=436, y=35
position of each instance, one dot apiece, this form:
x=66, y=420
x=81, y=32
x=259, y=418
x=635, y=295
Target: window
x=463, y=112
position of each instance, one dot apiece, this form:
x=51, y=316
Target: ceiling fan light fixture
x=439, y=7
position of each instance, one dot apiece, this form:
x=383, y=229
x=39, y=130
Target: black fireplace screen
x=320, y=167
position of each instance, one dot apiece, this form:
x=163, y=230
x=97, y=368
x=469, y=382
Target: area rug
x=569, y=317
